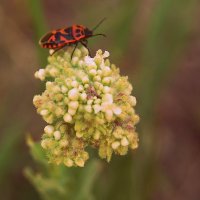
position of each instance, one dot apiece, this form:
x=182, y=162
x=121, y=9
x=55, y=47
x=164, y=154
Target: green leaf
x=60, y=182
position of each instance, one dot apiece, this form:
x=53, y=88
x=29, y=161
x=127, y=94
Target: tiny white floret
x=79, y=134
x=109, y=115
x=73, y=104
x=67, y=118
x=124, y=142
x=106, y=80
x=57, y=135
x=72, y=111
x=40, y=74
x=73, y=94
x=107, y=98
x=51, y=51
x=75, y=60
x=44, y=112
x=68, y=162
x=97, y=134
x=89, y=102
x=133, y=100
x=106, y=71
x=53, y=71
x=93, y=72
x=83, y=96
x=117, y=110
x=88, y=108
x=80, y=88
x=74, y=84
x=106, y=54
x=89, y=61
x=115, y=145
x=106, y=89
x=96, y=108
x=49, y=129
x=64, y=89
x=85, y=79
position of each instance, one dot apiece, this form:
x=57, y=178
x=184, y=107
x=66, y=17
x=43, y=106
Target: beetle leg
x=74, y=50
x=85, y=45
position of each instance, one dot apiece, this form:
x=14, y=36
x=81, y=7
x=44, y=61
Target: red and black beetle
x=72, y=35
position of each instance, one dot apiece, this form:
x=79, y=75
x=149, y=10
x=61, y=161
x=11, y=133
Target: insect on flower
x=69, y=36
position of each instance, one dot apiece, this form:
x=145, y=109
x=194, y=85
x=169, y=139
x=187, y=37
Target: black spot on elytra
x=68, y=35
x=68, y=30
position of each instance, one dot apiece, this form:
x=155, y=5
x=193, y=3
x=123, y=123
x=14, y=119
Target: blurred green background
x=157, y=44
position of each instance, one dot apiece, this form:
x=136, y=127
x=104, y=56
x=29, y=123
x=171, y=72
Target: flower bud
x=124, y=142
x=44, y=112
x=57, y=135
x=72, y=111
x=64, y=89
x=68, y=162
x=67, y=118
x=73, y=94
x=117, y=110
x=109, y=115
x=97, y=108
x=74, y=84
x=133, y=100
x=83, y=96
x=88, y=108
x=80, y=162
x=73, y=105
x=40, y=74
x=49, y=130
x=97, y=135
x=93, y=72
x=85, y=80
x=115, y=145
x=64, y=143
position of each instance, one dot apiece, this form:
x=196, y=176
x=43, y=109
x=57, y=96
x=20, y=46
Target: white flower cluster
x=92, y=101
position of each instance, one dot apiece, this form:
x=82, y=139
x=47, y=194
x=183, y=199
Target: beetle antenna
x=99, y=24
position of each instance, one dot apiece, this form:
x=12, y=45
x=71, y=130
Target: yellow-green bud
x=73, y=105
x=115, y=145
x=57, y=135
x=68, y=162
x=67, y=118
x=85, y=79
x=44, y=112
x=80, y=162
x=49, y=130
x=72, y=111
x=64, y=143
x=88, y=108
x=124, y=142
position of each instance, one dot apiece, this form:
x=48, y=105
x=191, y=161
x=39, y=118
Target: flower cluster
x=86, y=103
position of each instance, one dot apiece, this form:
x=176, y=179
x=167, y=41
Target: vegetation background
x=157, y=44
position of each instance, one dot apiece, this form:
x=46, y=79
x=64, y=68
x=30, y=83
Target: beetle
x=69, y=36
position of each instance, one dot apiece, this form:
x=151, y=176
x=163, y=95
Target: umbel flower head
x=86, y=103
